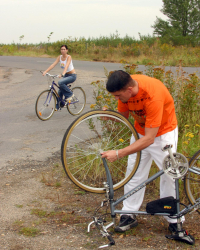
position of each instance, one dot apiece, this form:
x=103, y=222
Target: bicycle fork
x=98, y=222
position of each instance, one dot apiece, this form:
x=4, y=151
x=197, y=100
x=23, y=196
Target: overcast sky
x=35, y=19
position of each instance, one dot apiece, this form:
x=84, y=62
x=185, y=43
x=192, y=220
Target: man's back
x=152, y=107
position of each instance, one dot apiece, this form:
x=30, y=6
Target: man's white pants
x=153, y=152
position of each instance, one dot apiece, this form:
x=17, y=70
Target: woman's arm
x=52, y=66
x=69, y=58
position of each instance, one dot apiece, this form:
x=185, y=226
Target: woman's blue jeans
x=64, y=90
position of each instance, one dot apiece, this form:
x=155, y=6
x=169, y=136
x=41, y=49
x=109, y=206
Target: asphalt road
x=23, y=135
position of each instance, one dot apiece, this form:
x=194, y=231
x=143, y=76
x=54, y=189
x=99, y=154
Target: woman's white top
x=63, y=64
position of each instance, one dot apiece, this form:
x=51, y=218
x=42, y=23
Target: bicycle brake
x=112, y=242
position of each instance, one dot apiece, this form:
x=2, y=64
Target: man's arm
x=144, y=142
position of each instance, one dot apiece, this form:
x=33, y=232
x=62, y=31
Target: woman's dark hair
x=118, y=80
x=64, y=46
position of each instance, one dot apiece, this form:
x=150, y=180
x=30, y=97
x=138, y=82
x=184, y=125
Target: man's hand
x=104, y=118
x=110, y=155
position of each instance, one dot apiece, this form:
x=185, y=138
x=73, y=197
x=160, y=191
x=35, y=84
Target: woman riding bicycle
x=68, y=74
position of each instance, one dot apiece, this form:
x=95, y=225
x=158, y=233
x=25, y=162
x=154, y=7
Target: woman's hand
x=44, y=73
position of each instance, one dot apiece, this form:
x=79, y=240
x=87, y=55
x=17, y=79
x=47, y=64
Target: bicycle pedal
x=182, y=236
x=167, y=147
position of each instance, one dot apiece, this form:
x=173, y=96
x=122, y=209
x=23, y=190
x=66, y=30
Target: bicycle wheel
x=192, y=180
x=45, y=105
x=83, y=143
x=78, y=104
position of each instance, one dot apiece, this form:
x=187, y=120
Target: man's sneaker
x=126, y=222
x=173, y=227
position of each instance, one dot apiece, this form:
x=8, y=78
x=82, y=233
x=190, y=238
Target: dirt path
x=41, y=209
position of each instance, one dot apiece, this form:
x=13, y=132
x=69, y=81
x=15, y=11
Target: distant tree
x=183, y=18
x=21, y=38
x=49, y=37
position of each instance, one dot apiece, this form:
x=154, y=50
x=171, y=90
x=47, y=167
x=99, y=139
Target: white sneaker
x=69, y=99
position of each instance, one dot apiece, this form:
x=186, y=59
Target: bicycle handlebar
x=53, y=76
x=112, y=242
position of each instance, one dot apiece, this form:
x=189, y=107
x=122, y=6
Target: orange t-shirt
x=152, y=107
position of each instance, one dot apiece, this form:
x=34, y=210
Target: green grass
x=29, y=231
x=79, y=192
x=38, y=212
x=19, y=206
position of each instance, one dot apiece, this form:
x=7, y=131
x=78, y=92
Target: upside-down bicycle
x=81, y=149
x=46, y=102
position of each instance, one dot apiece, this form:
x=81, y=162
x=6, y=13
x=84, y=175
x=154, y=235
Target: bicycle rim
x=192, y=180
x=45, y=105
x=83, y=142
x=78, y=104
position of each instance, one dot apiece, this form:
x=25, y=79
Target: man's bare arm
x=144, y=142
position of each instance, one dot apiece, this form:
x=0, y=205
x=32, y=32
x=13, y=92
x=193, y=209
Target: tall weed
x=185, y=91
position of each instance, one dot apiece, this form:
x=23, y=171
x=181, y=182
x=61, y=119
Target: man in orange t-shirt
x=150, y=103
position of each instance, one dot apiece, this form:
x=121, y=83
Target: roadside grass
x=112, y=49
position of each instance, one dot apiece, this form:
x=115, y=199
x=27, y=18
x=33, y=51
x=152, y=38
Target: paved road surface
x=23, y=135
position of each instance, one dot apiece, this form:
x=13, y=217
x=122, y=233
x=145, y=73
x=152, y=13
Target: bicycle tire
x=192, y=180
x=45, y=105
x=75, y=108
x=83, y=142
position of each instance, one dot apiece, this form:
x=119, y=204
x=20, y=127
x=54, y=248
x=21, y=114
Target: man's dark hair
x=64, y=46
x=118, y=80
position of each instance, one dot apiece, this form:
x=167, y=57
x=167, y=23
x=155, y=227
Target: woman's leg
x=67, y=79
x=60, y=94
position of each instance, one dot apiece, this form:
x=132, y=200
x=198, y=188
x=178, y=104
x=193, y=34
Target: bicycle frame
x=113, y=203
x=53, y=90
x=110, y=196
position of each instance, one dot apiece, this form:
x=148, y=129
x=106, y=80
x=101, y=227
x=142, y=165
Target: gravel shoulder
x=42, y=209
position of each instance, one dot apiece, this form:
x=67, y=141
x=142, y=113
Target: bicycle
x=97, y=131
x=45, y=104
